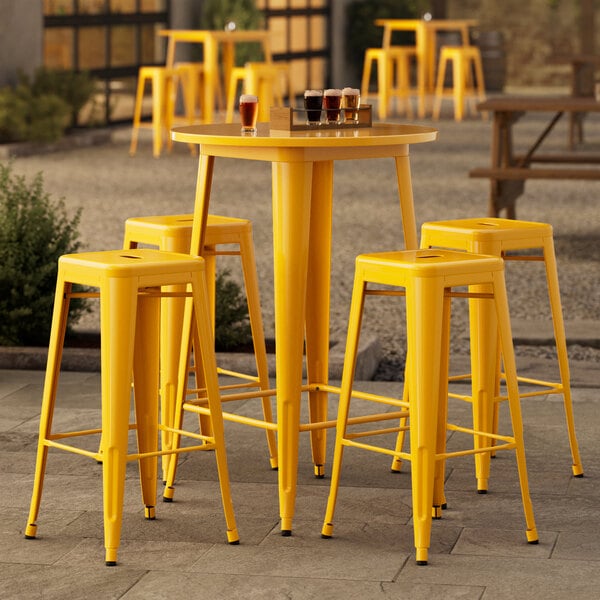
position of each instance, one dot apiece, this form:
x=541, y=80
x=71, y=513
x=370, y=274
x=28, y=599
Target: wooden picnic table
x=508, y=171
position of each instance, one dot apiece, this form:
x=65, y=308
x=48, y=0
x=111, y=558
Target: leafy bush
x=74, y=88
x=34, y=232
x=25, y=117
x=232, y=325
x=42, y=109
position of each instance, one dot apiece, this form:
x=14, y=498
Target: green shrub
x=74, y=88
x=42, y=109
x=34, y=232
x=25, y=117
x=232, y=325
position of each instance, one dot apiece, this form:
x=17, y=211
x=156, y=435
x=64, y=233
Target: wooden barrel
x=493, y=57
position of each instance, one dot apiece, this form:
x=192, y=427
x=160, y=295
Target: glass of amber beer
x=332, y=100
x=248, y=112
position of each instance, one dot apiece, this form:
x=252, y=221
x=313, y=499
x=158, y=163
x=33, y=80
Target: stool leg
x=561, y=351
x=258, y=335
x=353, y=335
x=459, y=81
x=137, y=115
x=366, y=76
x=397, y=461
x=503, y=319
x=384, y=69
x=484, y=340
x=55, y=348
x=424, y=319
x=145, y=386
x=206, y=348
x=439, y=497
x=158, y=111
x=117, y=326
x=439, y=89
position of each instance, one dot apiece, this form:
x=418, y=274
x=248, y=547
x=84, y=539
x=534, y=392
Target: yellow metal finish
x=506, y=237
x=264, y=80
x=129, y=284
x=173, y=233
x=427, y=276
x=391, y=62
x=466, y=62
x=302, y=172
x=426, y=46
x=218, y=51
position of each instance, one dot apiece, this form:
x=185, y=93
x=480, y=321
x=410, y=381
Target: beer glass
x=332, y=100
x=350, y=103
x=313, y=101
x=248, y=112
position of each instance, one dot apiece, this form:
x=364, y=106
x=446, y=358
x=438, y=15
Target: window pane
x=58, y=48
x=58, y=7
x=122, y=46
x=91, y=48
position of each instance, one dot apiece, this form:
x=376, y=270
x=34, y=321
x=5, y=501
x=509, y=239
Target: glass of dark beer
x=313, y=101
x=332, y=100
x=248, y=112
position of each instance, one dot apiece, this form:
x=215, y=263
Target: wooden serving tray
x=287, y=118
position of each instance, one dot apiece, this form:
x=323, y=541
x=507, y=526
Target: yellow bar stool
x=161, y=80
x=388, y=60
x=164, y=83
x=466, y=62
x=267, y=80
x=513, y=240
x=129, y=287
x=427, y=277
x=174, y=233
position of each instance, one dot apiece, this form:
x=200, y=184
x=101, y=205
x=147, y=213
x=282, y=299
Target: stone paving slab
x=478, y=550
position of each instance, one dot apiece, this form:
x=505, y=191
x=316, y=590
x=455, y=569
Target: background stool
x=262, y=79
x=129, y=291
x=163, y=84
x=504, y=237
x=466, y=64
x=427, y=277
x=394, y=58
x=174, y=233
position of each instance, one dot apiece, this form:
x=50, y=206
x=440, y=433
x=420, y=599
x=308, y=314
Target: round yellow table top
x=229, y=134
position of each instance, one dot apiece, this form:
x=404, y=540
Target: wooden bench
x=509, y=171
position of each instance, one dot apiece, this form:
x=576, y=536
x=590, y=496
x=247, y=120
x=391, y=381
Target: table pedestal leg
x=317, y=304
x=291, y=219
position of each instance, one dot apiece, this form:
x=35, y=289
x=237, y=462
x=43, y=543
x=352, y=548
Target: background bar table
x=211, y=42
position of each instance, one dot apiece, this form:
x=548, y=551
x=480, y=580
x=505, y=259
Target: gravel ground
x=110, y=186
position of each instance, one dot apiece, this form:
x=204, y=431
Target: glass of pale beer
x=351, y=104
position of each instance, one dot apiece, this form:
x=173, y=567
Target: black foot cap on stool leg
x=286, y=532
x=421, y=563
x=482, y=491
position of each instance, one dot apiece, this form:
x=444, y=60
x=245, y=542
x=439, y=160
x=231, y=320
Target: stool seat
x=508, y=238
x=466, y=64
x=393, y=76
x=129, y=286
x=427, y=277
